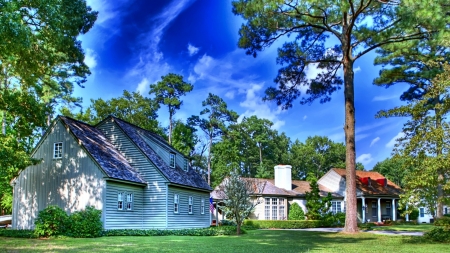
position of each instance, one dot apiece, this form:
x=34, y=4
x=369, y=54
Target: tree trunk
x=351, y=225
x=440, y=174
x=209, y=159
x=170, y=128
x=260, y=154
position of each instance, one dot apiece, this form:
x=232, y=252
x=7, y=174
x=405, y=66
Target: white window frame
x=57, y=150
x=176, y=203
x=120, y=201
x=191, y=205
x=421, y=212
x=172, y=158
x=185, y=167
x=129, y=203
x=202, y=206
x=336, y=207
x=267, y=209
x=274, y=208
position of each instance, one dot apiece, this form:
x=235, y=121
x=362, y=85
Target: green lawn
x=406, y=227
x=254, y=241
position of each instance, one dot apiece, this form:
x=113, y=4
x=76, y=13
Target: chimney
x=283, y=177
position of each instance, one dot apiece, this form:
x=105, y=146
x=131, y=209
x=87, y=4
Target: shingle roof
x=375, y=188
x=176, y=176
x=111, y=161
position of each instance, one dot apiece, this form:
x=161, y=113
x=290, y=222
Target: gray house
x=134, y=176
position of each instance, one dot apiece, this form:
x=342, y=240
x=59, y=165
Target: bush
x=414, y=214
x=366, y=226
x=296, y=212
x=444, y=221
x=286, y=224
x=211, y=231
x=227, y=223
x=18, y=233
x=335, y=220
x=86, y=223
x=51, y=221
x=438, y=234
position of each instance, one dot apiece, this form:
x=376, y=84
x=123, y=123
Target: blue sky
x=134, y=43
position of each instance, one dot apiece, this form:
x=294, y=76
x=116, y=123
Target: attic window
x=57, y=150
x=172, y=160
x=185, y=167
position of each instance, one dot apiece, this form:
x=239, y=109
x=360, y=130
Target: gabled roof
x=111, y=161
x=178, y=176
x=374, y=188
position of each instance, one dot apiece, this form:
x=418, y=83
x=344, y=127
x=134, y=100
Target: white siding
x=73, y=182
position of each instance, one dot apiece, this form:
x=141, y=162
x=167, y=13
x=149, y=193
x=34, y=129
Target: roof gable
x=178, y=176
x=111, y=161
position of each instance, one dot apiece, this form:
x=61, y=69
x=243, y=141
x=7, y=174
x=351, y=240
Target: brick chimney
x=283, y=177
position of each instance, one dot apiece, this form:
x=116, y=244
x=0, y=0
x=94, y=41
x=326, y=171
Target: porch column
x=407, y=215
x=217, y=214
x=363, y=209
x=394, y=210
x=379, y=209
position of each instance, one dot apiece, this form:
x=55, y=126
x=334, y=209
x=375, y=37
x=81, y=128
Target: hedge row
x=18, y=233
x=287, y=224
x=211, y=231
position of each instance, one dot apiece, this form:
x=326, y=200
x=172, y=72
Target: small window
x=202, y=206
x=120, y=201
x=191, y=200
x=172, y=160
x=422, y=212
x=445, y=210
x=175, y=203
x=186, y=163
x=130, y=201
x=57, y=150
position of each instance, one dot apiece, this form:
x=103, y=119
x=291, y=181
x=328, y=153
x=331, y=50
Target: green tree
x=425, y=145
x=131, y=107
x=416, y=63
x=358, y=27
x=296, y=212
x=317, y=206
x=168, y=92
x=184, y=138
x=41, y=59
x=217, y=116
x=238, y=198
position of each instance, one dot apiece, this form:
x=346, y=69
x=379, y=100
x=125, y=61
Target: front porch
x=371, y=209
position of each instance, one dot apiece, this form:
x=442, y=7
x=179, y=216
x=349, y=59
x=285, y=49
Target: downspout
x=167, y=205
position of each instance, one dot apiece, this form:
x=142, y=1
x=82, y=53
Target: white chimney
x=283, y=178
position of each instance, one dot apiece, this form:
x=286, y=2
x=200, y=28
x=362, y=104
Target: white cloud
x=305, y=117
x=90, y=58
x=374, y=141
x=142, y=86
x=364, y=159
x=192, y=50
x=255, y=106
x=229, y=94
x=392, y=142
x=384, y=98
x=357, y=69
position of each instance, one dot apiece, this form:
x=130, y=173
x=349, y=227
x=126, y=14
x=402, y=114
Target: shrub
x=444, y=221
x=18, y=233
x=447, y=215
x=211, y=231
x=296, y=212
x=438, y=234
x=227, y=223
x=367, y=226
x=51, y=221
x=286, y=224
x=335, y=220
x=86, y=223
x=414, y=214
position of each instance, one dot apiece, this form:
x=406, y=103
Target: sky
x=135, y=42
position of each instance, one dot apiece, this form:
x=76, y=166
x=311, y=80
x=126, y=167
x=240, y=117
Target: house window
x=202, y=206
x=281, y=215
x=274, y=209
x=175, y=203
x=267, y=209
x=57, y=150
x=445, y=210
x=130, y=201
x=388, y=208
x=336, y=207
x=422, y=212
x=120, y=201
x=172, y=160
x=190, y=204
x=185, y=167
x=374, y=209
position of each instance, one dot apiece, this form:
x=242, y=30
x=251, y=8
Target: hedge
x=18, y=233
x=211, y=231
x=286, y=224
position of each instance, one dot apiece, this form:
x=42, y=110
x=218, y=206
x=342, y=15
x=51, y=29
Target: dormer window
x=186, y=163
x=57, y=150
x=172, y=160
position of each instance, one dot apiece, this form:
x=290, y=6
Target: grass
x=254, y=241
x=406, y=227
